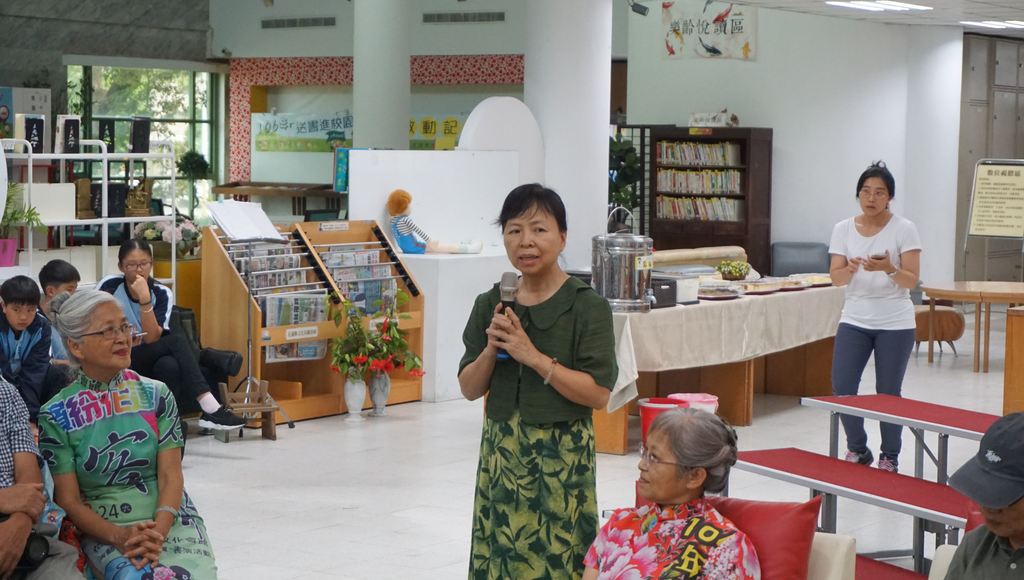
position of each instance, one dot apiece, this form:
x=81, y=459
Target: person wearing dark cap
x=994, y=478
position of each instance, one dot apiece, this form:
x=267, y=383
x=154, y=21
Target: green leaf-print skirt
x=535, y=513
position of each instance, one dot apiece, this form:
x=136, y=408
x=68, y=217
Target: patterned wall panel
x=495, y=69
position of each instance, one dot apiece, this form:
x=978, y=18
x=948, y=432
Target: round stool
x=949, y=325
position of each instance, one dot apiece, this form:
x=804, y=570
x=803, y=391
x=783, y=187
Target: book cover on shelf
x=106, y=131
x=69, y=130
x=294, y=309
x=30, y=128
x=295, y=351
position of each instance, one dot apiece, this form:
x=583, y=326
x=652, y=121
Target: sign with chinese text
x=435, y=132
x=301, y=133
x=997, y=204
x=708, y=29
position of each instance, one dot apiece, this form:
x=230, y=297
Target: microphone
x=508, y=287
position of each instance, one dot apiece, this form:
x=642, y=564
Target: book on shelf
x=106, y=127
x=295, y=351
x=337, y=258
x=140, y=135
x=290, y=309
x=278, y=279
x=702, y=208
x=696, y=153
x=699, y=182
x=369, y=294
x=31, y=128
x=69, y=131
x=360, y=272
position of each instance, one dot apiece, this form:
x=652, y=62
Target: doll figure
x=411, y=239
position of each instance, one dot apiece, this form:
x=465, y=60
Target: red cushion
x=781, y=532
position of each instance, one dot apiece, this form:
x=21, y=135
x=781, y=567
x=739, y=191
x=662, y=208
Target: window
x=182, y=106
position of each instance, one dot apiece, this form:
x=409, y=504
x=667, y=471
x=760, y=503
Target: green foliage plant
x=16, y=214
x=624, y=171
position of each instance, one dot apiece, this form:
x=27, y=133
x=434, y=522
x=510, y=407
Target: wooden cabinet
x=711, y=186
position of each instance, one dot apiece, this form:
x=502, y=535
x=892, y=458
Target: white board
x=997, y=199
x=456, y=195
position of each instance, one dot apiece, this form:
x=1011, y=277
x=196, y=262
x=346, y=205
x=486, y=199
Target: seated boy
x=57, y=277
x=24, y=341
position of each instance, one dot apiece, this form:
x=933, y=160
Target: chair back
x=799, y=258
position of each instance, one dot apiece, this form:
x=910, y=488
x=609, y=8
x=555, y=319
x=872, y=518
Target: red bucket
x=651, y=408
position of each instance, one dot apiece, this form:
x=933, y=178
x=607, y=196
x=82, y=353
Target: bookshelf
x=711, y=186
x=305, y=388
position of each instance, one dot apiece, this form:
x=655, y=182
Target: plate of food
x=793, y=284
x=757, y=287
x=815, y=280
x=717, y=293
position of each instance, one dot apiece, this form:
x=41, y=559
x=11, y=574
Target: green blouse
x=574, y=326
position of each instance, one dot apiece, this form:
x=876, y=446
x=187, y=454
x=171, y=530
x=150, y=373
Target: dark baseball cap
x=994, y=477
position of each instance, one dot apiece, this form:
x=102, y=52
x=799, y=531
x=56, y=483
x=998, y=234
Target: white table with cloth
x=778, y=343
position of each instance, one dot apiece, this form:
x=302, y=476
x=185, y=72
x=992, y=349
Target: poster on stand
x=709, y=29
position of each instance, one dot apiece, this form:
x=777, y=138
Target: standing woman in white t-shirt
x=877, y=255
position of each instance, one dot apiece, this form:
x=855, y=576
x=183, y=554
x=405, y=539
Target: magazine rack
x=304, y=386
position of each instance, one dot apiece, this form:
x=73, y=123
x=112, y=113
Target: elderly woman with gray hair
x=677, y=533
x=112, y=440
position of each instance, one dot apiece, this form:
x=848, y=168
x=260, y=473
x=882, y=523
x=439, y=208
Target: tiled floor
x=392, y=497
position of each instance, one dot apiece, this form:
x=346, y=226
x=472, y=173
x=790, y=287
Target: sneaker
x=221, y=420
x=886, y=464
x=865, y=458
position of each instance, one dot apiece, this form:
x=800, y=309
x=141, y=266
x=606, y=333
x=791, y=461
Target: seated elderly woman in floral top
x=113, y=442
x=677, y=534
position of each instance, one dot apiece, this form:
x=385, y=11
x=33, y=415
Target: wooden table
x=781, y=343
x=983, y=295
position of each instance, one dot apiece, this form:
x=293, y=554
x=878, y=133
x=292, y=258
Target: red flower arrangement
x=378, y=347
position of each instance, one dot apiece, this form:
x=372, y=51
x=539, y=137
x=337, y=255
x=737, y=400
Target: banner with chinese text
x=301, y=133
x=709, y=29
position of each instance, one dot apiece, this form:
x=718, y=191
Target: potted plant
x=350, y=355
x=390, y=350
x=159, y=234
x=624, y=171
x=16, y=215
x=193, y=165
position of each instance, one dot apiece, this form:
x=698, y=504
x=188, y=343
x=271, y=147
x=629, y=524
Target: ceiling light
x=865, y=6
x=880, y=5
x=1008, y=24
x=1015, y=22
x=903, y=5
x=983, y=24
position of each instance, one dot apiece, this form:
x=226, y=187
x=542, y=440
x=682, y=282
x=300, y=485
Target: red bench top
x=916, y=410
x=868, y=480
x=870, y=569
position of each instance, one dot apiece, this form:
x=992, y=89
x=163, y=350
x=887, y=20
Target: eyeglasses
x=115, y=333
x=140, y=266
x=645, y=455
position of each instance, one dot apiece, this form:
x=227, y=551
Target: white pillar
x=380, y=76
x=567, y=86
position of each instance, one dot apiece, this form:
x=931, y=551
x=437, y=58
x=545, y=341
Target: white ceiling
x=946, y=12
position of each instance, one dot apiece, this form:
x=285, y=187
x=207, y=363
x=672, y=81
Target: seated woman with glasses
x=677, y=533
x=112, y=440
x=162, y=355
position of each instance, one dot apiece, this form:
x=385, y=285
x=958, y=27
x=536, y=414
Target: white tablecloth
x=719, y=332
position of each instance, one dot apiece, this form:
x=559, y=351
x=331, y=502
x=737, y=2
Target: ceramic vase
x=355, y=395
x=380, y=388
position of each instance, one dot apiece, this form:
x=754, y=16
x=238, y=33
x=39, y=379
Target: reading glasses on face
x=114, y=333
x=139, y=266
x=645, y=455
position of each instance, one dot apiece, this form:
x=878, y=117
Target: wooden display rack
x=304, y=389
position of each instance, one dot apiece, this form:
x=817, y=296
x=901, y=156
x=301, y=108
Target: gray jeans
x=61, y=565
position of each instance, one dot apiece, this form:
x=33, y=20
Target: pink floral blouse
x=691, y=540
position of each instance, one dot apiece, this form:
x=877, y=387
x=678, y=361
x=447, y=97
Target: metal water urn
x=621, y=270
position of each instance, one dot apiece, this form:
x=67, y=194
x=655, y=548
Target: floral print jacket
x=690, y=540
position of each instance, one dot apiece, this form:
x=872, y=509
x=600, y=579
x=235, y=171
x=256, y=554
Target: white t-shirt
x=873, y=300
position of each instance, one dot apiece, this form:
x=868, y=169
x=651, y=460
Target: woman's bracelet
x=168, y=509
x=551, y=371
x=150, y=309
